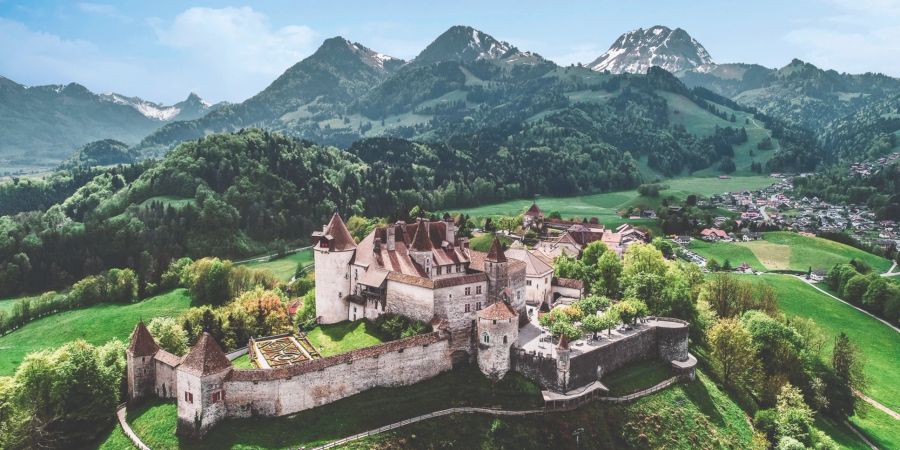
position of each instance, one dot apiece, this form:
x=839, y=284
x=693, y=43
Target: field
x=779, y=250
x=155, y=422
x=638, y=376
x=605, y=206
x=879, y=345
x=722, y=251
x=243, y=362
x=343, y=336
x=96, y=325
x=284, y=268
x=6, y=304
x=685, y=416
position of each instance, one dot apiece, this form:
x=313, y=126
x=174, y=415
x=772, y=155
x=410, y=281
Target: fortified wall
x=663, y=338
x=287, y=390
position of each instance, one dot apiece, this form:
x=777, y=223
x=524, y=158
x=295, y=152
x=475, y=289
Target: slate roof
x=142, y=343
x=534, y=210
x=205, y=358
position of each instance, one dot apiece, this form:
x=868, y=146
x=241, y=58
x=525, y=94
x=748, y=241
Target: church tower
x=334, y=248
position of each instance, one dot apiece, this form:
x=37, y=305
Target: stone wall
x=639, y=346
x=198, y=416
x=539, y=369
x=166, y=377
x=415, y=302
x=450, y=305
x=276, y=392
x=140, y=375
x=517, y=285
x=494, y=355
x=673, y=342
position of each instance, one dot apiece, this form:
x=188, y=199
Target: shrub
x=305, y=319
x=393, y=326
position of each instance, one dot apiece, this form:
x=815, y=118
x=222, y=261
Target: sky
x=162, y=50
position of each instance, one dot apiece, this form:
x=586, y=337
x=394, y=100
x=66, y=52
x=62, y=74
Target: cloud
x=102, y=9
x=861, y=37
x=45, y=58
x=237, y=41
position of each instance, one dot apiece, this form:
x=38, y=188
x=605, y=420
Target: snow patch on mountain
x=638, y=50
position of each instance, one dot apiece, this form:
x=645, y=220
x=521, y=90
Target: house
x=713, y=234
x=533, y=218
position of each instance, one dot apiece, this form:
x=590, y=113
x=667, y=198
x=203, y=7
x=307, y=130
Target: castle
x=481, y=306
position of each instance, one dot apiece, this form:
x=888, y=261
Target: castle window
x=477, y=289
x=468, y=291
x=477, y=306
x=528, y=282
x=495, y=321
x=504, y=340
x=340, y=295
x=468, y=308
x=439, y=270
x=486, y=338
x=188, y=397
x=216, y=397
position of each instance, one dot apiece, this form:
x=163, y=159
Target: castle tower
x=141, y=370
x=498, y=330
x=562, y=362
x=451, y=229
x=420, y=249
x=497, y=270
x=201, y=396
x=334, y=249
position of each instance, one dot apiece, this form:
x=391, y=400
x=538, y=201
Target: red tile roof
x=534, y=210
x=340, y=237
x=206, y=357
x=498, y=311
x=422, y=240
x=142, y=343
x=496, y=253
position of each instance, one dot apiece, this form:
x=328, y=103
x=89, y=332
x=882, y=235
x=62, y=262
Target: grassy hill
x=780, y=250
x=284, y=268
x=606, y=205
x=879, y=344
x=96, y=325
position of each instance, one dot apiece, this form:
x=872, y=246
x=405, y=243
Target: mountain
x=638, y=50
x=318, y=87
x=187, y=109
x=43, y=125
x=799, y=92
x=466, y=44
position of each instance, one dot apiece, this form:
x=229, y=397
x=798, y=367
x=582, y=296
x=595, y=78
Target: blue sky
x=162, y=50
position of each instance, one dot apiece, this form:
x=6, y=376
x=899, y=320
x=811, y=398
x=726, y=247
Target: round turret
x=498, y=330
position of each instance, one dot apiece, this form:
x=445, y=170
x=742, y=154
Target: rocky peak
x=638, y=50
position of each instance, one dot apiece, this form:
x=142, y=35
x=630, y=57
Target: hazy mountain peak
x=637, y=50
x=339, y=47
x=466, y=44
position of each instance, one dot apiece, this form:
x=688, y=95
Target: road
x=270, y=256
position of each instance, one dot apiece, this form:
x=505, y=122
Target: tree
x=713, y=265
x=855, y=288
x=629, y=310
x=592, y=252
x=838, y=275
x=794, y=419
x=664, y=246
x=593, y=324
x=733, y=352
x=591, y=304
x=211, y=281
x=169, y=334
x=846, y=361
x=565, y=328
x=643, y=258
x=726, y=267
x=609, y=270
x=879, y=292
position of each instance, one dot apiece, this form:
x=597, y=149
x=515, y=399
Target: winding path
x=801, y=277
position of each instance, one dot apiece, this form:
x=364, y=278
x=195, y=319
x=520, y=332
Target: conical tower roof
x=142, y=343
x=206, y=357
x=341, y=239
x=496, y=253
x=421, y=240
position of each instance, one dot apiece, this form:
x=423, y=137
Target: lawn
x=243, y=362
x=882, y=429
x=344, y=336
x=284, y=268
x=638, y=376
x=722, y=251
x=879, y=345
x=155, y=422
x=685, y=416
x=605, y=206
x=6, y=304
x=779, y=250
x=96, y=325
